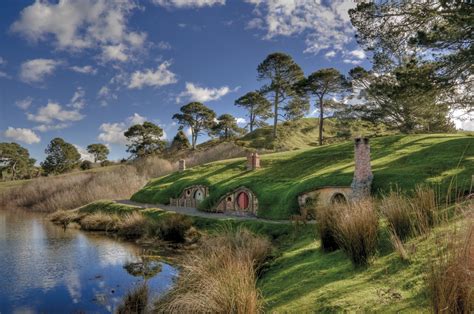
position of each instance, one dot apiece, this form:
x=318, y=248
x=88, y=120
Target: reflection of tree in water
x=147, y=268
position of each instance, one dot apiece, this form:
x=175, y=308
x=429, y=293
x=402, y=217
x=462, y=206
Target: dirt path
x=198, y=213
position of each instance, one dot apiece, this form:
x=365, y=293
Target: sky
x=85, y=70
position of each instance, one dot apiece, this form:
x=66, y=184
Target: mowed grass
x=402, y=161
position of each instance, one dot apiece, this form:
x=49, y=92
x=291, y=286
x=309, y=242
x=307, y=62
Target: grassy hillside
x=403, y=160
x=303, y=133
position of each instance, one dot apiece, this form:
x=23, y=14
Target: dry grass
x=411, y=216
x=133, y=225
x=451, y=275
x=100, y=222
x=356, y=229
x=220, y=277
x=222, y=151
x=74, y=190
x=173, y=227
x=153, y=167
x=135, y=301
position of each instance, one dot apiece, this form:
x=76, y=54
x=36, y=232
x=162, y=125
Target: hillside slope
x=400, y=160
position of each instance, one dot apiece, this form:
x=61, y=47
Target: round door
x=243, y=201
x=199, y=195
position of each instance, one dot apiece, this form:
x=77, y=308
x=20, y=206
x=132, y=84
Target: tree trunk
x=275, y=119
x=321, y=121
x=252, y=120
x=193, y=139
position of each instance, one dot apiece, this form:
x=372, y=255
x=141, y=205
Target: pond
x=44, y=268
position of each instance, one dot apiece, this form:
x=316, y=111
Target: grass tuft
x=135, y=301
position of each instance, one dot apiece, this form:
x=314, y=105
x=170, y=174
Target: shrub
x=105, y=163
x=356, y=228
x=135, y=301
x=398, y=211
x=220, y=277
x=451, y=274
x=325, y=227
x=86, y=165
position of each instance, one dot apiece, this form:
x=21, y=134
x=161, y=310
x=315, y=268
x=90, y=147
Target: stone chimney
x=182, y=165
x=362, y=181
x=253, y=161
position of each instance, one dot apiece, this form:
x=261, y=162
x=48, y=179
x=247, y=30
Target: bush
x=105, y=163
x=86, y=165
x=135, y=301
x=356, y=230
x=451, y=274
x=220, y=277
x=325, y=227
x=100, y=222
x=133, y=226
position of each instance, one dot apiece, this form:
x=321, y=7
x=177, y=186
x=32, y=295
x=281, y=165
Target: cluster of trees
x=61, y=156
x=422, y=56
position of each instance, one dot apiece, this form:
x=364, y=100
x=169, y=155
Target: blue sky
x=86, y=70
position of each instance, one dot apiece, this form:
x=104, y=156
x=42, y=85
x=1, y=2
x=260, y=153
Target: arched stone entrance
x=241, y=201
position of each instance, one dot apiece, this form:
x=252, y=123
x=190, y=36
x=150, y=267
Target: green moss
x=400, y=160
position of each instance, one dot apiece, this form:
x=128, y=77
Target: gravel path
x=198, y=213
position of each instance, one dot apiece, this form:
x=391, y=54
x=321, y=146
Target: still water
x=45, y=269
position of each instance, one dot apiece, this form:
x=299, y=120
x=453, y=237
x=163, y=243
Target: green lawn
x=399, y=160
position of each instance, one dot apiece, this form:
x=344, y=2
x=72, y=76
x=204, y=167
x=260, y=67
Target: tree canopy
x=61, y=157
x=259, y=109
x=281, y=73
x=226, y=127
x=197, y=117
x=99, y=151
x=144, y=139
x=15, y=160
x=323, y=84
x=180, y=141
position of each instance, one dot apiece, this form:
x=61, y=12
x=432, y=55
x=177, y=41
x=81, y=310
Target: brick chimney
x=362, y=181
x=253, y=161
x=182, y=165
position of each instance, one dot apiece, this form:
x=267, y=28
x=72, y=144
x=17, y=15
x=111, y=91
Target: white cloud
x=76, y=25
x=324, y=24
x=330, y=54
x=2, y=61
x=358, y=53
x=202, y=94
x=4, y=75
x=87, y=69
x=22, y=135
x=84, y=154
x=136, y=119
x=155, y=78
x=352, y=61
x=33, y=71
x=114, y=53
x=188, y=3
x=51, y=127
x=113, y=133
x=54, y=112
x=241, y=121
x=164, y=45
x=77, y=100
x=24, y=103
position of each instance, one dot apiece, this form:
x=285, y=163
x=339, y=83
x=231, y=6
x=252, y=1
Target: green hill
x=399, y=160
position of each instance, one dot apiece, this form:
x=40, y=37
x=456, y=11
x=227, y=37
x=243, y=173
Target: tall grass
x=135, y=301
x=411, y=216
x=221, y=151
x=451, y=273
x=325, y=222
x=73, y=190
x=220, y=277
x=356, y=229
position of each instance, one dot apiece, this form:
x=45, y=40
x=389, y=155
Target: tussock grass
x=220, y=277
x=173, y=227
x=133, y=225
x=451, y=272
x=325, y=221
x=356, y=230
x=100, y=222
x=396, y=208
x=135, y=301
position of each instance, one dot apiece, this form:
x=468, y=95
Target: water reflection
x=44, y=268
